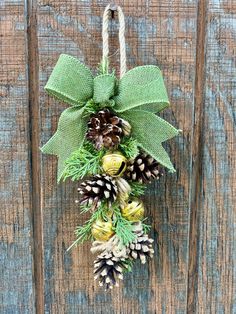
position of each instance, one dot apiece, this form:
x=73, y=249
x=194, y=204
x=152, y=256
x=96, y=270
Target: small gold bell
x=102, y=230
x=114, y=164
x=133, y=211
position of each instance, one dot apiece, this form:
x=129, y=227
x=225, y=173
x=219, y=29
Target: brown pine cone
x=141, y=248
x=105, y=129
x=98, y=188
x=143, y=169
x=108, y=269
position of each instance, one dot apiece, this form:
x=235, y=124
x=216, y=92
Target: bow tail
x=151, y=131
x=68, y=137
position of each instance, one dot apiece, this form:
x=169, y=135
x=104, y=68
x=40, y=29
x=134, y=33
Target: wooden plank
x=215, y=220
x=34, y=111
x=162, y=33
x=16, y=266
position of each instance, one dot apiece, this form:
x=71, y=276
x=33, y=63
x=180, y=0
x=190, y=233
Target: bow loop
x=70, y=81
x=142, y=88
x=104, y=86
x=136, y=97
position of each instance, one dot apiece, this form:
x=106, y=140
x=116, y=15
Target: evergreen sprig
x=146, y=227
x=137, y=189
x=129, y=147
x=84, y=161
x=83, y=233
x=123, y=228
x=91, y=107
x=128, y=265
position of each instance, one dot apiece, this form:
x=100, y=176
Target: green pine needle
x=129, y=147
x=137, y=189
x=128, y=265
x=123, y=228
x=84, y=208
x=146, y=227
x=84, y=161
x=83, y=233
x=91, y=107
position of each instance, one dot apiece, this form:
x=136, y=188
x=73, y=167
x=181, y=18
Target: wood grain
x=215, y=255
x=34, y=111
x=16, y=232
x=197, y=157
x=192, y=211
x=162, y=33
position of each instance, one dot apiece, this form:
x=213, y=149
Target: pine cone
x=141, y=248
x=143, y=169
x=96, y=189
x=108, y=269
x=105, y=129
x=114, y=245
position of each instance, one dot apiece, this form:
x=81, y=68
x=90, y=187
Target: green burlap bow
x=136, y=97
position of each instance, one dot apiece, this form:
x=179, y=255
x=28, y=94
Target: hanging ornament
x=102, y=230
x=110, y=139
x=133, y=211
x=114, y=164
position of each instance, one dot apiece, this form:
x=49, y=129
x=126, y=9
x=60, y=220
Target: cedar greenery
x=123, y=228
x=129, y=147
x=91, y=107
x=137, y=189
x=129, y=265
x=83, y=233
x=84, y=161
x=146, y=227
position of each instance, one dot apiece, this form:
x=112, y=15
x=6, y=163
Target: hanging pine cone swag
x=110, y=139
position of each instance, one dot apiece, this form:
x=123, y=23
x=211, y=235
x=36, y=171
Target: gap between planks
x=197, y=153
x=34, y=114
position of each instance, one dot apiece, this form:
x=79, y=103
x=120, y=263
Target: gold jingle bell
x=102, y=230
x=114, y=164
x=133, y=211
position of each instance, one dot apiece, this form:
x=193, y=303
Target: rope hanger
x=106, y=17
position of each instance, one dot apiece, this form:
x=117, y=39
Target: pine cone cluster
x=108, y=269
x=141, y=248
x=96, y=189
x=143, y=169
x=105, y=129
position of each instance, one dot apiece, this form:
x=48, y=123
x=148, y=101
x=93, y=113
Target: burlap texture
x=138, y=95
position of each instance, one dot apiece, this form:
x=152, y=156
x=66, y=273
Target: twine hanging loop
x=106, y=18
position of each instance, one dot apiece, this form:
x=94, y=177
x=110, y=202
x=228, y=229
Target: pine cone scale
x=105, y=129
x=143, y=169
x=141, y=248
x=93, y=191
x=108, y=269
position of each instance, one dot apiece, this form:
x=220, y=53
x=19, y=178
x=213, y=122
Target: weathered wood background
x=192, y=211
